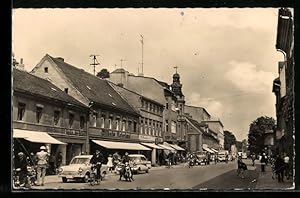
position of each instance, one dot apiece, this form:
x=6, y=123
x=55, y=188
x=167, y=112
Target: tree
x=229, y=139
x=256, y=133
x=104, y=73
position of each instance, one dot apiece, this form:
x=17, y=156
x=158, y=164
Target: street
x=219, y=176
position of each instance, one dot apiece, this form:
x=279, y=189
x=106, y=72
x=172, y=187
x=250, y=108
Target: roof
x=94, y=88
x=199, y=126
x=216, y=120
x=198, y=108
x=120, y=70
x=26, y=82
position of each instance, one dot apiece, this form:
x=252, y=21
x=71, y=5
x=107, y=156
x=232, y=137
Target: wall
x=197, y=113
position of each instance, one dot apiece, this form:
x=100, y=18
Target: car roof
x=136, y=155
x=83, y=156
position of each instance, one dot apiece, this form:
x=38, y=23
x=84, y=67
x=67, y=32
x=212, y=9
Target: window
x=123, y=125
x=134, y=126
x=150, y=107
x=71, y=120
x=82, y=121
x=173, y=127
x=109, y=124
x=21, y=111
x=102, y=121
x=154, y=129
x=129, y=126
x=146, y=105
x=117, y=124
x=173, y=106
x=46, y=69
x=142, y=126
x=56, y=117
x=167, y=126
x=39, y=112
x=157, y=129
x=94, y=119
x=143, y=104
x=66, y=90
x=167, y=105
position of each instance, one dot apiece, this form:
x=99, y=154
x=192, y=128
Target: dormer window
x=66, y=90
x=46, y=69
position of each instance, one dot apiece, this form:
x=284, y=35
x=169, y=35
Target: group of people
x=41, y=161
x=280, y=165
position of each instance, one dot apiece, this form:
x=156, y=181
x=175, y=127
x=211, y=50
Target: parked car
x=140, y=163
x=222, y=156
x=79, y=169
x=201, y=158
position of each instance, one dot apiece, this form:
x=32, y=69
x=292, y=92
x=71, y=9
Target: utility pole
x=95, y=62
x=142, y=41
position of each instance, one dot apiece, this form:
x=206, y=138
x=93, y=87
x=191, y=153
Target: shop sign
x=146, y=138
x=115, y=134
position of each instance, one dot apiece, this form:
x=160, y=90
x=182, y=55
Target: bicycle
x=93, y=176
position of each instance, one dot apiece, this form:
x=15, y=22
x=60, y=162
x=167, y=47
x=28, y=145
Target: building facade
x=216, y=126
x=43, y=114
x=110, y=117
x=150, y=120
x=283, y=86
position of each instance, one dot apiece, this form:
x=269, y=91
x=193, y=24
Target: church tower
x=176, y=87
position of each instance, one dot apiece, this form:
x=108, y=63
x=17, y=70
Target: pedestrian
x=263, y=162
x=279, y=168
x=21, y=168
x=253, y=159
x=110, y=163
x=241, y=167
x=59, y=159
x=42, y=163
x=96, y=162
x=287, y=167
x=116, y=159
x=52, y=164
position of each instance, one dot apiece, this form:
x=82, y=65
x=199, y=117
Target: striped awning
x=178, y=148
x=151, y=145
x=121, y=145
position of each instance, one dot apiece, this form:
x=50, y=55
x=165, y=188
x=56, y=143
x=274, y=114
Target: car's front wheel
x=86, y=178
x=64, y=179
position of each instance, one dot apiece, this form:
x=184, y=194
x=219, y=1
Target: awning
x=35, y=136
x=151, y=145
x=208, y=150
x=214, y=150
x=165, y=147
x=121, y=145
x=178, y=148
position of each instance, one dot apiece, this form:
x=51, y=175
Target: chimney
x=21, y=66
x=60, y=59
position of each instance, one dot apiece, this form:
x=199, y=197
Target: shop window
x=82, y=121
x=71, y=120
x=109, y=123
x=123, y=126
x=39, y=113
x=117, y=127
x=102, y=120
x=129, y=126
x=56, y=117
x=21, y=111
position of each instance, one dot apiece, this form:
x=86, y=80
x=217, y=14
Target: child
x=110, y=163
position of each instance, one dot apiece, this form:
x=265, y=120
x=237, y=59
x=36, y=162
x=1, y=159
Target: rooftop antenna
x=121, y=68
x=95, y=62
x=122, y=62
x=175, y=68
x=142, y=41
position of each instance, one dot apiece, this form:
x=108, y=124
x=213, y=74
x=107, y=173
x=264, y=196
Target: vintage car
x=140, y=163
x=79, y=169
x=201, y=158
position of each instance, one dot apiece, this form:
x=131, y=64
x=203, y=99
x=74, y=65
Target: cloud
x=246, y=77
x=214, y=107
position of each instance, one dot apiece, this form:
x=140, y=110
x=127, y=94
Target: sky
x=226, y=57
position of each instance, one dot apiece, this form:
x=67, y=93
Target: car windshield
x=80, y=160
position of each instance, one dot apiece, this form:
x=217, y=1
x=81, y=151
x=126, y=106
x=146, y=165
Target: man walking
x=279, y=168
x=42, y=162
x=286, y=166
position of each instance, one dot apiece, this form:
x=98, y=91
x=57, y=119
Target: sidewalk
x=265, y=181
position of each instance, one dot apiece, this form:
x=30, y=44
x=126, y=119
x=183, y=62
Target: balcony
x=49, y=129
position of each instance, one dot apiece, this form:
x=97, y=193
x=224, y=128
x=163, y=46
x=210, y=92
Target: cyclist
x=96, y=162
